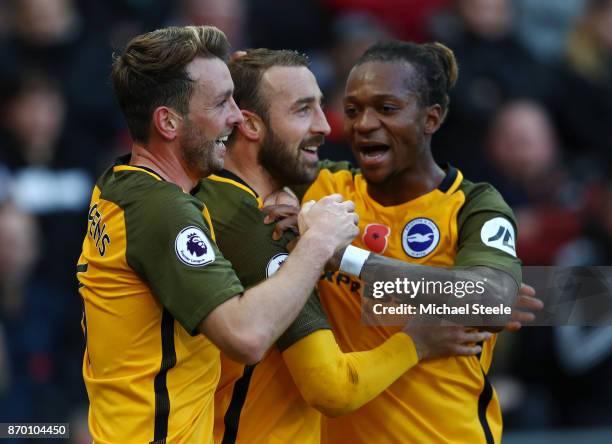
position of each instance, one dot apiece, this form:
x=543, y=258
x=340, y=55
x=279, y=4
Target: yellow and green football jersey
x=149, y=272
x=444, y=400
x=258, y=403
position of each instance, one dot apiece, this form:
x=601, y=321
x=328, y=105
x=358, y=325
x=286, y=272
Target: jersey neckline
x=123, y=162
x=449, y=184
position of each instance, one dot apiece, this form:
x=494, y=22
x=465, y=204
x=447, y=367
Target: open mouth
x=221, y=140
x=373, y=153
x=311, y=151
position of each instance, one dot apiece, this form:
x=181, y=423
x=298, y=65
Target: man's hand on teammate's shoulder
x=284, y=196
x=284, y=216
x=281, y=207
x=443, y=341
x=332, y=221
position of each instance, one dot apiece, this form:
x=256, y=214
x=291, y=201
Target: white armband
x=353, y=260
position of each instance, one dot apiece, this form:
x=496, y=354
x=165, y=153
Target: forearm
x=493, y=286
x=337, y=383
x=270, y=307
x=255, y=320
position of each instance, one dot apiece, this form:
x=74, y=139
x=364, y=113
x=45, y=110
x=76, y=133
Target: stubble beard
x=285, y=165
x=199, y=153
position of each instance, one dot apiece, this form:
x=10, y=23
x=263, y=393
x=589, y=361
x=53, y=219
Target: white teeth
x=224, y=139
x=312, y=149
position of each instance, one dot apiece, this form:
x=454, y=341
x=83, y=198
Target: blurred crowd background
x=531, y=113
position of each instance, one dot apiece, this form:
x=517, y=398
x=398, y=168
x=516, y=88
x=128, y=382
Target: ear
x=252, y=128
x=433, y=119
x=166, y=122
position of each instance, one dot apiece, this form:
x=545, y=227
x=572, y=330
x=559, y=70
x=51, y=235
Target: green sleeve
x=170, y=247
x=487, y=231
x=332, y=166
x=311, y=318
x=247, y=243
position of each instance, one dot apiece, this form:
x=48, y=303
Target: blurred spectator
x=594, y=244
x=524, y=154
x=302, y=25
x=124, y=19
x=352, y=34
x=46, y=161
x=228, y=15
x=583, y=104
x=494, y=67
x=525, y=165
x=50, y=36
x=543, y=25
x=585, y=353
x=30, y=313
x=405, y=19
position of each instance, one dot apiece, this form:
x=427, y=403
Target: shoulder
x=333, y=177
x=486, y=229
x=482, y=197
x=141, y=190
x=338, y=172
x=229, y=202
x=151, y=207
x=213, y=187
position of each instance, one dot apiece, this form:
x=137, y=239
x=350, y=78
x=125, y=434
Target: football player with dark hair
x=425, y=216
x=280, y=398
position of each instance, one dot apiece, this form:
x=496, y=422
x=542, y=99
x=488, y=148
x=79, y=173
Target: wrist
x=353, y=260
x=418, y=345
x=318, y=244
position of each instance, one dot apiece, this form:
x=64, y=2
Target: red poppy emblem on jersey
x=375, y=237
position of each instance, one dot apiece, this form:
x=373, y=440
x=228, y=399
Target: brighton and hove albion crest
x=420, y=237
x=375, y=237
x=193, y=247
x=275, y=263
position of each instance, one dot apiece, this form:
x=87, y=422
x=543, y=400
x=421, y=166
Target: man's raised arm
x=245, y=326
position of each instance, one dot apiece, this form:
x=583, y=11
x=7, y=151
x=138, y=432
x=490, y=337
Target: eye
x=303, y=110
x=388, y=108
x=222, y=103
x=350, y=111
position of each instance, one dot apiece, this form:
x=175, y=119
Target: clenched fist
x=331, y=220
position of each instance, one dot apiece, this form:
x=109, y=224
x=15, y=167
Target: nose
x=366, y=121
x=320, y=124
x=235, y=116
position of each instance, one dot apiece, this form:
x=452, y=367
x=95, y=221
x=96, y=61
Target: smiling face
x=388, y=128
x=211, y=118
x=296, y=125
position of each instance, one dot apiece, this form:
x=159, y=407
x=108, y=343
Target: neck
x=422, y=178
x=241, y=159
x=165, y=162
